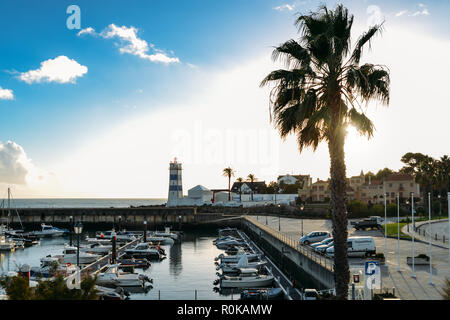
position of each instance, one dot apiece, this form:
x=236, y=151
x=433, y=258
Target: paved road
x=406, y=287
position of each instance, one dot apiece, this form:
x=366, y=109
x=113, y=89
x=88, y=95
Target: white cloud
x=13, y=163
x=283, y=7
x=60, y=70
x=132, y=44
x=401, y=13
x=88, y=30
x=423, y=11
x=6, y=94
x=375, y=15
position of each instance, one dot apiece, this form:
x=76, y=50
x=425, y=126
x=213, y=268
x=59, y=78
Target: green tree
x=273, y=187
x=17, y=288
x=319, y=94
x=384, y=173
x=228, y=172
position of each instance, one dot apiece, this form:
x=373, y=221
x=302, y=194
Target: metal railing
x=295, y=245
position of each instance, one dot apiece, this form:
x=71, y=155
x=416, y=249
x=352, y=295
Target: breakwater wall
x=130, y=218
x=309, y=269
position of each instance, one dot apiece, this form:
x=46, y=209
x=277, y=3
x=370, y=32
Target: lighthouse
x=175, y=183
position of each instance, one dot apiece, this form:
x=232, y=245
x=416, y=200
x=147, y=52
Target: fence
x=295, y=245
x=436, y=237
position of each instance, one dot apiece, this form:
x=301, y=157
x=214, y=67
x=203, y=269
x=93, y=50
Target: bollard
x=196, y=294
x=393, y=291
x=353, y=291
x=159, y=294
x=435, y=236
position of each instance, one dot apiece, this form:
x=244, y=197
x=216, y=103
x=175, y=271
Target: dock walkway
x=284, y=283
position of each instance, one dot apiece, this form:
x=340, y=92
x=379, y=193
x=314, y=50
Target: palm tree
x=321, y=92
x=251, y=177
x=240, y=179
x=228, y=172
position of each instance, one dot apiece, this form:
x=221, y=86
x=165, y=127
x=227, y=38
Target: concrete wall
x=321, y=277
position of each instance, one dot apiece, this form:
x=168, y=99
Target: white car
x=357, y=247
x=321, y=243
x=323, y=248
x=314, y=236
x=310, y=294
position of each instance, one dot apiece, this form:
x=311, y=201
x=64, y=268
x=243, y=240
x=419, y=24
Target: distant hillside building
x=249, y=187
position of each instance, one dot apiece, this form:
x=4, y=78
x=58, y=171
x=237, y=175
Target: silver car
x=314, y=236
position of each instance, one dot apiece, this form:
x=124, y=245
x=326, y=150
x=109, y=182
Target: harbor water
x=187, y=272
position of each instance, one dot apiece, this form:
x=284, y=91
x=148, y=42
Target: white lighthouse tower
x=175, y=183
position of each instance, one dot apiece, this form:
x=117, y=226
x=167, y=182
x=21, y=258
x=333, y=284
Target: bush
x=376, y=210
x=356, y=209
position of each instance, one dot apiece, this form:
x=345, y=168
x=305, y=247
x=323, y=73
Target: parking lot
x=406, y=286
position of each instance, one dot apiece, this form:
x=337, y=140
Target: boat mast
x=9, y=208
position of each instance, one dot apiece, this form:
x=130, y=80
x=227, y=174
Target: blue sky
x=52, y=120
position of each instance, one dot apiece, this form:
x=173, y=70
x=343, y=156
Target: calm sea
x=84, y=203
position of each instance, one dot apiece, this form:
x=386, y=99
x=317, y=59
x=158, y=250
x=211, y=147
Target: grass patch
x=392, y=229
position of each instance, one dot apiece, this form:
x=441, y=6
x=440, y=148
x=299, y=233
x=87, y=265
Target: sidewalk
x=438, y=227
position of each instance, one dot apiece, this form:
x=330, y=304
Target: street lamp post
x=407, y=217
x=413, y=233
x=78, y=229
x=114, y=252
x=429, y=231
x=70, y=230
x=179, y=223
x=279, y=219
x=440, y=206
x=145, y=230
x=301, y=209
x=120, y=223
x=398, y=232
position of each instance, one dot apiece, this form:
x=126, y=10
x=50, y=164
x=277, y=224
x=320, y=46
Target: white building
x=200, y=193
x=175, y=183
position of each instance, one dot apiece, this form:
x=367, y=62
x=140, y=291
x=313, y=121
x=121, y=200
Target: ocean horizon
x=84, y=202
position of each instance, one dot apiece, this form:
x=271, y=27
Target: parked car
x=314, y=236
x=357, y=247
x=310, y=294
x=324, y=241
x=323, y=248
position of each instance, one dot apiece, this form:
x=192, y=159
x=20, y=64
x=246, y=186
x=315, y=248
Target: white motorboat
x=106, y=293
x=7, y=244
x=166, y=233
x=145, y=250
x=225, y=238
x=48, y=231
x=224, y=244
x=112, y=277
x=120, y=235
x=96, y=248
x=161, y=240
x=243, y=263
x=70, y=256
x=51, y=265
x=235, y=258
x=247, y=278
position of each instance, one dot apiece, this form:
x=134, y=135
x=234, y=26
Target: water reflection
x=175, y=260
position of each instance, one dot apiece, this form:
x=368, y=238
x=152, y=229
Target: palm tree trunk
x=339, y=213
x=229, y=182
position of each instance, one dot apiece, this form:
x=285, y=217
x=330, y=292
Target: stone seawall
x=131, y=218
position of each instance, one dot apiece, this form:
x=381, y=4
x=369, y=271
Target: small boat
x=227, y=231
x=246, y=278
x=105, y=293
x=124, y=236
x=144, y=250
x=243, y=263
x=137, y=263
x=235, y=258
x=96, y=248
x=161, y=240
x=112, y=277
x=7, y=244
x=165, y=233
x=262, y=294
x=48, y=231
x=224, y=244
x=49, y=266
x=70, y=256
